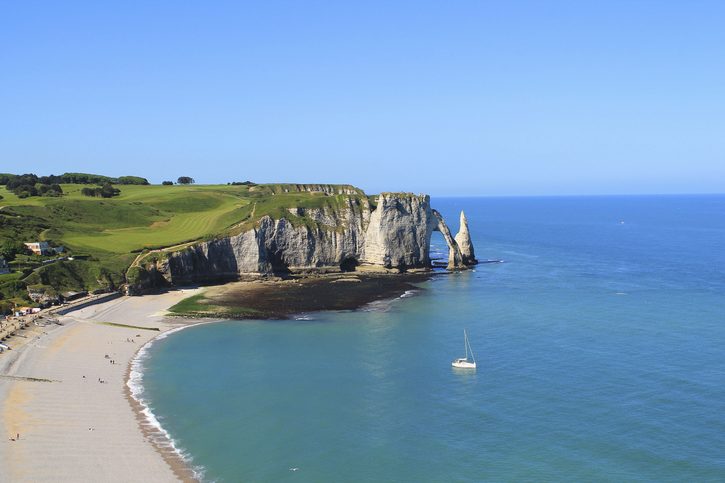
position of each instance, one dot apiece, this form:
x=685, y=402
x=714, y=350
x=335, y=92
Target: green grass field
x=106, y=234
x=199, y=306
x=141, y=217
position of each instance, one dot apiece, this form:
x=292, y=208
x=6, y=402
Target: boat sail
x=465, y=363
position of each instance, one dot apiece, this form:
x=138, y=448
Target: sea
x=598, y=330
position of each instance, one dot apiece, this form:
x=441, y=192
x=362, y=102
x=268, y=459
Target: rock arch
x=455, y=259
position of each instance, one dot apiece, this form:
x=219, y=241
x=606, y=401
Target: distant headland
x=76, y=233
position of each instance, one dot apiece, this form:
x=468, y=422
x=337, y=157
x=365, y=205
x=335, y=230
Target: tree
x=106, y=191
x=25, y=190
x=55, y=190
x=185, y=180
x=22, y=180
x=52, y=179
x=132, y=180
x=9, y=249
x=50, y=190
x=167, y=183
x=84, y=178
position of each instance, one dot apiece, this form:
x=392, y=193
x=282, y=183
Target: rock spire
x=463, y=239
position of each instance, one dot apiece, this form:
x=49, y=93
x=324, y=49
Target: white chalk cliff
x=390, y=232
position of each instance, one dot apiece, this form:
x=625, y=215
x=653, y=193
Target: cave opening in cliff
x=280, y=267
x=349, y=264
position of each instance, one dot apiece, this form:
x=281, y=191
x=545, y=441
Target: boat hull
x=463, y=364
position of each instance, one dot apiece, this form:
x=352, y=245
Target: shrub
x=25, y=190
x=50, y=190
x=10, y=248
x=132, y=180
x=108, y=191
x=105, y=191
x=167, y=183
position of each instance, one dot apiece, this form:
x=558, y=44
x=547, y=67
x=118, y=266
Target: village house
x=39, y=248
x=4, y=267
x=19, y=312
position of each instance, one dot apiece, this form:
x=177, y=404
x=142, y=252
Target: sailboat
x=464, y=363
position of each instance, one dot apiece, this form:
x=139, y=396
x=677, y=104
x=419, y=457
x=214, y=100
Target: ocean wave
x=377, y=306
x=385, y=305
x=135, y=386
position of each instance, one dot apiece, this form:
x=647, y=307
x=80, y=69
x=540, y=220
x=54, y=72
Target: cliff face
x=399, y=231
x=214, y=260
x=339, y=235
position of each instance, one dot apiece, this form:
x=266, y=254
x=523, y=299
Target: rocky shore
x=283, y=299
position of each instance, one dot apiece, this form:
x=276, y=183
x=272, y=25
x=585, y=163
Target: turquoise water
x=600, y=348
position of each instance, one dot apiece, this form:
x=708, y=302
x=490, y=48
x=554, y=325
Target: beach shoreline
x=66, y=393
x=154, y=433
x=73, y=391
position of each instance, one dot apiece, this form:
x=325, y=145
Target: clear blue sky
x=468, y=98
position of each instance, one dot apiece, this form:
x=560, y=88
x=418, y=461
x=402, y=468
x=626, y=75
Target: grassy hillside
x=141, y=217
x=104, y=235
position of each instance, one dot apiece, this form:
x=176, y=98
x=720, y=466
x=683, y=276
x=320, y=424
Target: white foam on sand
x=135, y=386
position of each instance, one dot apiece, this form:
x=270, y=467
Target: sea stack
x=463, y=239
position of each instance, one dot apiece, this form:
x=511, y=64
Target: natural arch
x=455, y=260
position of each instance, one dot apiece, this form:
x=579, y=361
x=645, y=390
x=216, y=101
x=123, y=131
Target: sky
x=447, y=98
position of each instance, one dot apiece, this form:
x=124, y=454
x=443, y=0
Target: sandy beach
x=72, y=426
